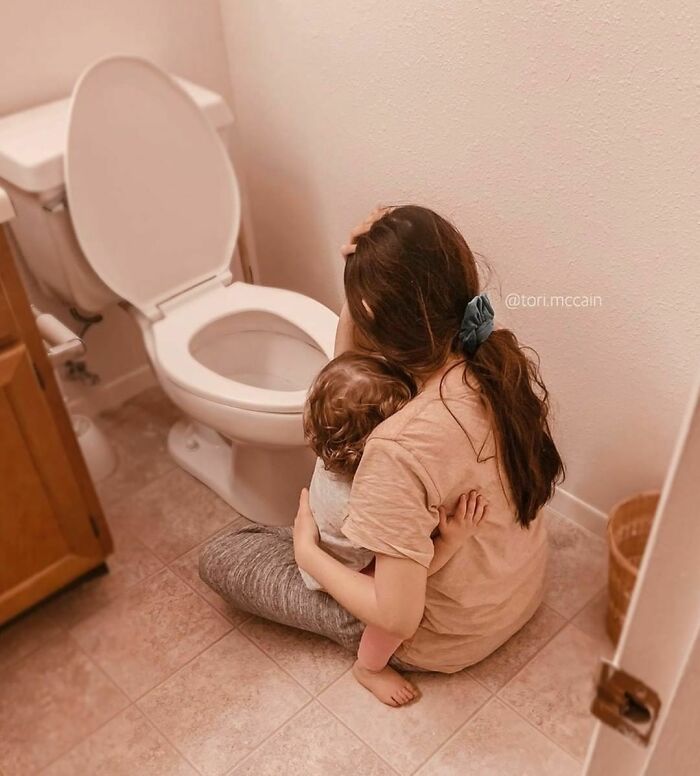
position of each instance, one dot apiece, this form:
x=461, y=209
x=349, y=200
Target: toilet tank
x=32, y=145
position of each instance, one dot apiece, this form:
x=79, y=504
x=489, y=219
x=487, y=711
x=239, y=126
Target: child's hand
x=454, y=529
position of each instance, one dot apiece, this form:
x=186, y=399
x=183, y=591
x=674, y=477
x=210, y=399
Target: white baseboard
x=580, y=512
x=106, y=396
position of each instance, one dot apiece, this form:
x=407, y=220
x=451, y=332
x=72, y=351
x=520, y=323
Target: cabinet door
x=47, y=537
x=8, y=329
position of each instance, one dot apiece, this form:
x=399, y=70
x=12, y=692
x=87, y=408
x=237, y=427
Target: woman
x=479, y=422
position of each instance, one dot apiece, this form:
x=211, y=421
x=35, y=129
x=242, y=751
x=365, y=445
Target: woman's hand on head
x=457, y=527
x=347, y=336
x=362, y=228
x=306, y=535
x=345, y=333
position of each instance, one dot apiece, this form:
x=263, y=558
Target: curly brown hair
x=350, y=397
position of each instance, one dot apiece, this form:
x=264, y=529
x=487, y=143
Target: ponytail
x=513, y=390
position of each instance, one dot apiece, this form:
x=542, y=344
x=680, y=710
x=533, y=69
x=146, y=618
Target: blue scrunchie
x=477, y=323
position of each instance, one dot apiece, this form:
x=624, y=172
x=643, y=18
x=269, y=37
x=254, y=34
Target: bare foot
x=387, y=685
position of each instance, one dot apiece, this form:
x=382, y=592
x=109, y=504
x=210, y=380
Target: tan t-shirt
x=416, y=460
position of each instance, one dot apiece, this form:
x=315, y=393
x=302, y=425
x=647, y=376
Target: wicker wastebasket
x=629, y=525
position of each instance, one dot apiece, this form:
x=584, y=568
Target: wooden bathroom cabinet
x=52, y=529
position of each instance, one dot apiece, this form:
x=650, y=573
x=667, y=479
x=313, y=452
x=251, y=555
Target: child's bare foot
x=387, y=685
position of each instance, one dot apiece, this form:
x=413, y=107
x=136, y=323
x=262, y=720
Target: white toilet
x=156, y=210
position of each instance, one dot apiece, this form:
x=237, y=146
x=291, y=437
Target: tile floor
x=146, y=671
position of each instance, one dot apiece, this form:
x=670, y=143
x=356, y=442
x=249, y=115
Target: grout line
x=226, y=616
x=588, y=602
x=476, y=711
x=550, y=639
x=109, y=504
x=167, y=738
x=358, y=736
x=153, y=550
x=612, y=647
x=129, y=588
x=104, y=673
x=355, y=733
x=281, y=667
x=270, y=735
x=501, y=698
x=274, y=659
x=65, y=634
x=539, y=730
x=183, y=666
x=83, y=739
x=134, y=701
x=568, y=617
x=68, y=634
x=326, y=686
x=177, y=749
x=92, y=732
x=478, y=681
x=454, y=735
x=11, y=664
x=70, y=628
x=160, y=684
x=318, y=700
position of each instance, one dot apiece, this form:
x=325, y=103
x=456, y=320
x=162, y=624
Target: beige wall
x=560, y=138
x=43, y=48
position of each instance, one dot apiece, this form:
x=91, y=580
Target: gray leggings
x=253, y=568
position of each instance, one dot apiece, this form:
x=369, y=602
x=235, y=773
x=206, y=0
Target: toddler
x=350, y=397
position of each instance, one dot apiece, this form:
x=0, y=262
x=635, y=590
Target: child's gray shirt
x=329, y=498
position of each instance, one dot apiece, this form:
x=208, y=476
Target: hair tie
x=477, y=323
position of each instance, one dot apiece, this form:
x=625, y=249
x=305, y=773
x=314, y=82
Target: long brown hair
x=407, y=285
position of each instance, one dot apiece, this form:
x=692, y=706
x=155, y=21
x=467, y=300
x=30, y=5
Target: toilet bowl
x=239, y=360
x=156, y=210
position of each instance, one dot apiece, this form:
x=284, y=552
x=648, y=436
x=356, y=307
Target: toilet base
x=262, y=484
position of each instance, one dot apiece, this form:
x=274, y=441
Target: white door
x=660, y=642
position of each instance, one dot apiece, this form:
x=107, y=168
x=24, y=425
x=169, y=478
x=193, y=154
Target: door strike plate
x=625, y=703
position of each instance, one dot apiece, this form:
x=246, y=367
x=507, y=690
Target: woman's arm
x=345, y=333
x=394, y=599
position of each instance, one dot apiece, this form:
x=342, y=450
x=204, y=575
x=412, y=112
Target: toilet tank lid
x=33, y=142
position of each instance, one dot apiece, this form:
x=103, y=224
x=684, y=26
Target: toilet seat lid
x=153, y=197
